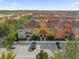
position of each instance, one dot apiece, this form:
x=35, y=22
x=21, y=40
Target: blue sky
x=39, y=4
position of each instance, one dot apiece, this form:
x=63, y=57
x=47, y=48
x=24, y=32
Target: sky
x=39, y=4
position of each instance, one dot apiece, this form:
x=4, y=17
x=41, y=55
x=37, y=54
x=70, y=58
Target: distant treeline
x=35, y=11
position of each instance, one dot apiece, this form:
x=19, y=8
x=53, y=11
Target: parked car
x=59, y=45
x=33, y=46
x=14, y=45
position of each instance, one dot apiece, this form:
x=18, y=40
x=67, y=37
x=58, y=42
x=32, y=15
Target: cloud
x=15, y=4
x=75, y=4
x=12, y=4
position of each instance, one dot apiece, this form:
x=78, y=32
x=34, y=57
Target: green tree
x=4, y=29
x=71, y=37
x=12, y=25
x=11, y=38
x=9, y=27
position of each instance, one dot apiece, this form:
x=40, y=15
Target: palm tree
x=9, y=55
x=3, y=55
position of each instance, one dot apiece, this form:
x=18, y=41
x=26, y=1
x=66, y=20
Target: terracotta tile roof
x=43, y=32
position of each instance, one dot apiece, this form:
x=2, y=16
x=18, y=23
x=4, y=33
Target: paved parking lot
x=22, y=50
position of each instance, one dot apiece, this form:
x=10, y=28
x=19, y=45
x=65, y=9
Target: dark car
x=59, y=45
x=33, y=46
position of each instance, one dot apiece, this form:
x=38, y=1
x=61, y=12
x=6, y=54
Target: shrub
x=9, y=55
x=35, y=38
x=50, y=38
x=42, y=55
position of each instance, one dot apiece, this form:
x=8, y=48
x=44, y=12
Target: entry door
x=43, y=37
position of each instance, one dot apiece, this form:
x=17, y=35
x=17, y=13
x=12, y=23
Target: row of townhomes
x=13, y=16
x=43, y=24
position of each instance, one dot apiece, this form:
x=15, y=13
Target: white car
x=14, y=45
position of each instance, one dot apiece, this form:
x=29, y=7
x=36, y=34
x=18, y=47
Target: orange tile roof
x=43, y=32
